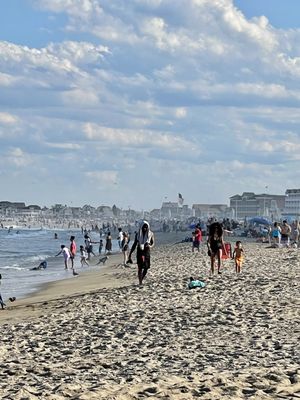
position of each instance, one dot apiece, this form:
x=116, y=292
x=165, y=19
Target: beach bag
x=196, y=283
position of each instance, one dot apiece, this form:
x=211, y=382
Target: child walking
x=83, y=257
x=100, y=246
x=238, y=256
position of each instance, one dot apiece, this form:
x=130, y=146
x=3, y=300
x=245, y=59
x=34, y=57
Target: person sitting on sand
x=215, y=244
x=238, y=256
x=144, y=241
x=42, y=265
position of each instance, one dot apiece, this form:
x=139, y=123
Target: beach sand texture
x=237, y=338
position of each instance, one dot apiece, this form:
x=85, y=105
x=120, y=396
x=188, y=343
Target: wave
x=13, y=267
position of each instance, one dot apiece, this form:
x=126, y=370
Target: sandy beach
x=100, y=336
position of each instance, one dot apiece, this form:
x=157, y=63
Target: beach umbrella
x=260, y=220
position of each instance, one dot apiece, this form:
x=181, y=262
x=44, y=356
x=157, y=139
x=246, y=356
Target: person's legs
x=66, y=263
x=212, y=264
x=145, y=270
x=219, y=255
x=140, y=275
x=2, y=302
x=125, y=254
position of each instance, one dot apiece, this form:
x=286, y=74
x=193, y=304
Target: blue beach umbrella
x=260, y=220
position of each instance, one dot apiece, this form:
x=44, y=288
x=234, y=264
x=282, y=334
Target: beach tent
x=260, y=221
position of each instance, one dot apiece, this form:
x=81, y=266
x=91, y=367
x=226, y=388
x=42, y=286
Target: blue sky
x=129, y=103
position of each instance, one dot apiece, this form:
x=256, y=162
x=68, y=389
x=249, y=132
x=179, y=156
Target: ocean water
x=25, y=249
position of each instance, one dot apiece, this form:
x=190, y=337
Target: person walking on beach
x=100, y=246
x=125, y=247
x=83, y=257
x=2, y=304
x=285, y=233
x=73, y=250
x=66, y=253
x=143, y=242
x=197, y=238
x=120, y=238
x=215, y=245
x=295, y=232
x=88, y=246
x=238, y=256
x=108, y=243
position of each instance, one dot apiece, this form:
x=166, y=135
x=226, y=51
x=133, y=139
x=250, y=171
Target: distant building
x=292, y=203
x=205, y=211
x=249, y=205
x=170, y=210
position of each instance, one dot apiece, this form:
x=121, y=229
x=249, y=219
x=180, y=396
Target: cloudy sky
x=132, y=101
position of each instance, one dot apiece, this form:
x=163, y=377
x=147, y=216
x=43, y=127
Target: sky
x=123, y=102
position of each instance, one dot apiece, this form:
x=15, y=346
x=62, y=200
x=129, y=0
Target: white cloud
x=8, y=119
x=107, y=177
x=171, y=86
x=18, y=157
x=65, y=146
x=135, y=138
x=180, y=112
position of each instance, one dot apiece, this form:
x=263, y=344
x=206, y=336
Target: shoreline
x=88, y=281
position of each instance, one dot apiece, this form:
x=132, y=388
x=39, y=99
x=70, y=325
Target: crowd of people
x=143, y=242
x=280, y=234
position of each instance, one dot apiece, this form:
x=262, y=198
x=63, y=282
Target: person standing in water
x=73, y=250
x=143, y=242
x=66, y=253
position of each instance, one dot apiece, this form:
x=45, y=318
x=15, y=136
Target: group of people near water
x=217, y=249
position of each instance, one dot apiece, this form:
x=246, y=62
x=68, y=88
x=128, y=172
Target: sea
x=23, y=249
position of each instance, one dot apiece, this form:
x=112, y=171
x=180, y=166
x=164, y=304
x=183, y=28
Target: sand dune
x=236, y=338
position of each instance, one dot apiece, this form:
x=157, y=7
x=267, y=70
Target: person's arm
x=58, y=253
x=223, y=246
x=208, y=242
x=133, y=247
x=151, y=244
x=233, y=254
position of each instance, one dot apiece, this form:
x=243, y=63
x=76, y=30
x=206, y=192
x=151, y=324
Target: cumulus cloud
x=171, y=86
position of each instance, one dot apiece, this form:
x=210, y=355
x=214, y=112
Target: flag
x=180, y=199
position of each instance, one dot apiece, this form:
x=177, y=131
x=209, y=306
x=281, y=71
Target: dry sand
x=100, y=336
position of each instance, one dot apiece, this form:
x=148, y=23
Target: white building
x=292, y=203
